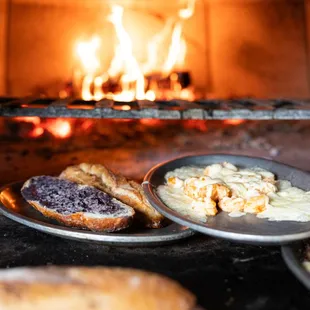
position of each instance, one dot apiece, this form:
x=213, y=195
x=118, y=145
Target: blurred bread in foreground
x=97, y=288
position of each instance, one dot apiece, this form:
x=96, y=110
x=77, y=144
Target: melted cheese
x=175, y=199
x=286, y=203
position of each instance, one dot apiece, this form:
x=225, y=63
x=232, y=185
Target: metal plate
x=248, y=228
x=293, y=256
x=13, y=206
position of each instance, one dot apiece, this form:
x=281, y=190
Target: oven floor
x=222, y=274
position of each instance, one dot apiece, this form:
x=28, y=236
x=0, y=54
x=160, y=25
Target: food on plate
x=97, y=288
x=200, y=192
x=76, y=205
x=127, y=191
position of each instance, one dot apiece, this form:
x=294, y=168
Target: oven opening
x=119, y=50
x=130, y=50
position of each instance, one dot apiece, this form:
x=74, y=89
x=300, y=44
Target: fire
x=59, y=128
x=87, y=52
x=135, y=80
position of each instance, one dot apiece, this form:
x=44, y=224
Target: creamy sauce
x=175, y=199
x=185, y=172
x=286, y=203
x=291, y=204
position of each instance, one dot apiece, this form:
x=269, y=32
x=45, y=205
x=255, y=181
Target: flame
x=188, y=12
x=176, y=45
x=126, y=70
x=154, y=48
x=124, y=61
x=98, y=93
x=177, y=49
x=86, y=85
x=87, y=53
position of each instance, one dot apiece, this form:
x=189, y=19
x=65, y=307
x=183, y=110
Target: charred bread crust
x=80, y=220
x=97, y=288
x=129, y=192
x=84, y=220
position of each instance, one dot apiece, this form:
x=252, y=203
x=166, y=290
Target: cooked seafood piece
x=205, y=208
x=232, y=204
x=199, y=190
x=256, y=204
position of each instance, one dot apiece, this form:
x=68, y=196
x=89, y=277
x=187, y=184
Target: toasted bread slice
x=76, y=205
x=96, y=288
x=129, y=192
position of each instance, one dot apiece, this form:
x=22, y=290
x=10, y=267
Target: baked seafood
x=76, y=205
x=97, y=288
x=129, y=192
x=200, y=192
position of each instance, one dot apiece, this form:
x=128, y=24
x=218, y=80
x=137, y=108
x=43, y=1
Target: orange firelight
x=125, y=68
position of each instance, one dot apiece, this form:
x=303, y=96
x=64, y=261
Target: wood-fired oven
x=132, y=83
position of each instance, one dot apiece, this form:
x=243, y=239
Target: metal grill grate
x=173, y=109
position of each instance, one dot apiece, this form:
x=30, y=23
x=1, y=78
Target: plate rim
x=87, y=235
x=293, y=263
x=160, y=206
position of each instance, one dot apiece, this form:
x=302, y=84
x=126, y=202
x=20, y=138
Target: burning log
x=181, y=78
x=156, y=86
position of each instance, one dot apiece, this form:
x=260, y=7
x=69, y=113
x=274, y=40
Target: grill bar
x=173, y=109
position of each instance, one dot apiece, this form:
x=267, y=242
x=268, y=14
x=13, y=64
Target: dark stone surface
x=222, y=274
x=201, y=109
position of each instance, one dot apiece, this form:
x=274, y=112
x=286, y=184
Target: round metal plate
x=13, y=206
x=294, y=255
x=248, y=228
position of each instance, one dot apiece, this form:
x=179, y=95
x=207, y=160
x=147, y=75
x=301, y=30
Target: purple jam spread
x=67, y=197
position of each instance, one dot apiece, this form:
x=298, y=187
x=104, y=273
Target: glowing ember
x=126, y=107
x=199, y=125
x=28, y=119
x=233, y=121
x=59, y=128
x=151, y=122
x=36, y=132
x=135, y=80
